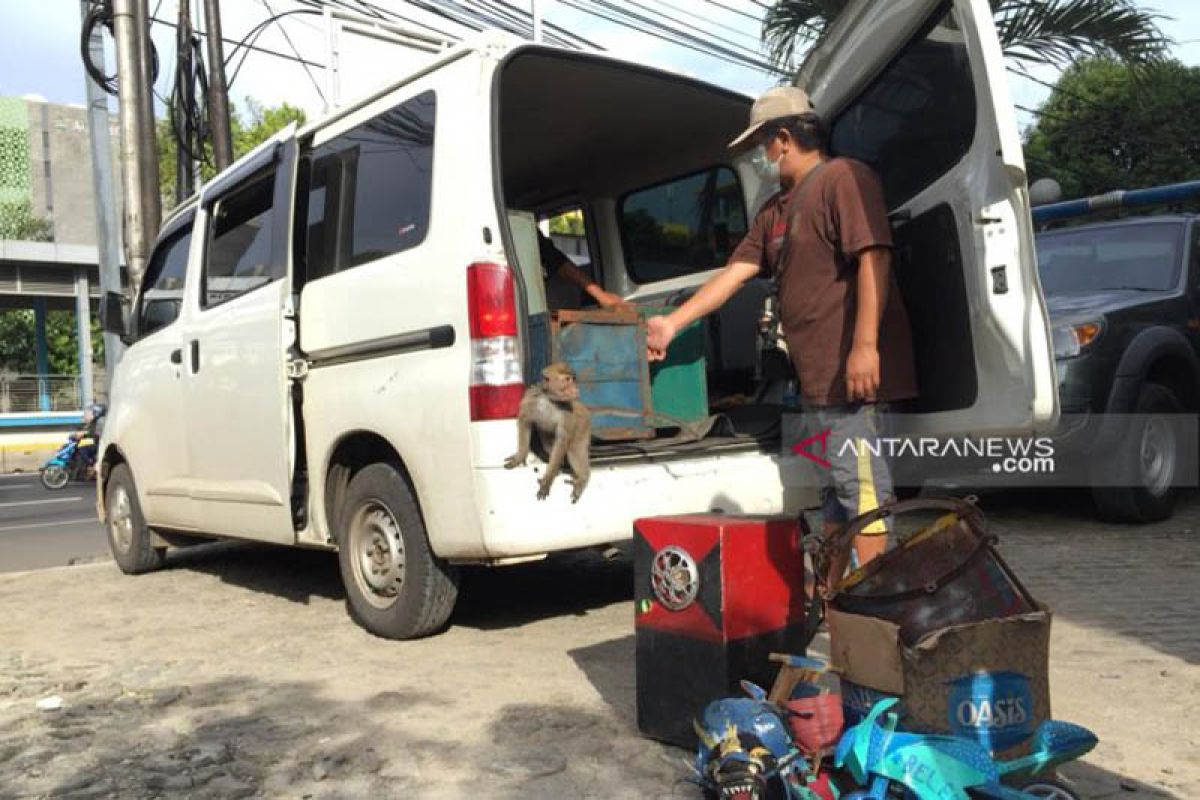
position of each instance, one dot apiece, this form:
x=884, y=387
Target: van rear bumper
x=515, y=523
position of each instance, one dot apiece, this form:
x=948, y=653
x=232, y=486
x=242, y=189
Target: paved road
x=40, y=528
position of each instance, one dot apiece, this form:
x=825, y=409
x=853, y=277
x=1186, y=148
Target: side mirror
x=114, y=315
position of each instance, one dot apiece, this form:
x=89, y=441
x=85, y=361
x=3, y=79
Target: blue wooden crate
x=607, y=350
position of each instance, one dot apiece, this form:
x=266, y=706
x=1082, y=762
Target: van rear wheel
x=395, y=586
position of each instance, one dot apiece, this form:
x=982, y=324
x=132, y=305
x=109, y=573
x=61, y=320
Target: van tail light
x=496, y=378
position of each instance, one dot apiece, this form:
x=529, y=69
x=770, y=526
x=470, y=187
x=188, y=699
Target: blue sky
x=41, y=53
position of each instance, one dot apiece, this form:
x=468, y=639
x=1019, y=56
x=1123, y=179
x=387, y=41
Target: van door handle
x=176, y=356
x=195, y=356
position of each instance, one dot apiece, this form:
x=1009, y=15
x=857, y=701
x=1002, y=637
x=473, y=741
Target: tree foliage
x=248, y=130
x=1108, y=126
x=1034, y=31
x=569, y=223
x=18, y=351
x=18, y=222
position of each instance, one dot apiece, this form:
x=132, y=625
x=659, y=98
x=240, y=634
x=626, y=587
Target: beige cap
x=782, y=101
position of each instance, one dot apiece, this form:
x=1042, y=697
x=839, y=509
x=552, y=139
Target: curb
x=105, y=561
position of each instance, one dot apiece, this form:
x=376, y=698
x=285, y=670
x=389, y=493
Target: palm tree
x=1031, y=31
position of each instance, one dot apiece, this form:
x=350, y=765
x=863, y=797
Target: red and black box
x=714, y=596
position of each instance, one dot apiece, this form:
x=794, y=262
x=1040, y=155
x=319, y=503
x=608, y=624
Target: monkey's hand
x=543, y=490
x=576, y=490
x=515, y=460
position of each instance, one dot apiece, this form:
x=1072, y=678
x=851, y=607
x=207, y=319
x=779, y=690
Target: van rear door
x=917, y=89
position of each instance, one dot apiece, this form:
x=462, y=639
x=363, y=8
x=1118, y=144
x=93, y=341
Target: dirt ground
x=236, y=673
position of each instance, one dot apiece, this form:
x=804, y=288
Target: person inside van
x=825, y=238
x=559, y=267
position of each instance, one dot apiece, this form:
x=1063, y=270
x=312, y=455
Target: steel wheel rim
x=55, y=477
x=1048, y=791
x=120, y=519
x=1158, y=455
x=377, y=554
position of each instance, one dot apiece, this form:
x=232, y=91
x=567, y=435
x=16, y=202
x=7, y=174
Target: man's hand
x=659, y=333
x=862, y=373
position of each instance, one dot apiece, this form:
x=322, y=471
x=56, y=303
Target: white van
x=330, y=341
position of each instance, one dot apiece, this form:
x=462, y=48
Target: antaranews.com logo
x=1009, y=456
x=1083, y=450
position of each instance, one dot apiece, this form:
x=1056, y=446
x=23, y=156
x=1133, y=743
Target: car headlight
x=1069, y=340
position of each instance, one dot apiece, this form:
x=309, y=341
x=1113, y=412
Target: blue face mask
x=767, y=170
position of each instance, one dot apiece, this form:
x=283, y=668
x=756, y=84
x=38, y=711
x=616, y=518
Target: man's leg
x=861, y=480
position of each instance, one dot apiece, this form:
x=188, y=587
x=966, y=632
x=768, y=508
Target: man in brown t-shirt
x=825, y=238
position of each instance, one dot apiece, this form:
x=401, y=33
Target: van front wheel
x=395, y=586
x=128, y=534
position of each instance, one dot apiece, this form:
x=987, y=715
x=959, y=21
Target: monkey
x=564, y=426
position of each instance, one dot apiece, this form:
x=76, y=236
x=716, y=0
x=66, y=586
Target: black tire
x=55, y=476
x=1121, y=492
x=128, y=534
x=1049, y=788
x=395, y=586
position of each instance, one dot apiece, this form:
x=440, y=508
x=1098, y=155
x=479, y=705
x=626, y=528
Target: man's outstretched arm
x=707, y=299
x=568, y=271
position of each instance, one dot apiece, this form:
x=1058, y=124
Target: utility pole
x=537, y=21
x=139, y=153
x=218, y=92
x=186, y=145
x=104, y=194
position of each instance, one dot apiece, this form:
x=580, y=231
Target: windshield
x=1140, y=257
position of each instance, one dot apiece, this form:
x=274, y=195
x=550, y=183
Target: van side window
x=370, y=189
x=162, y=287
x=689, y=224
x=238, y=258
x=918, y=119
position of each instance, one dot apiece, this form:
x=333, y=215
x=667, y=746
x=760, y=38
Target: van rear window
x=689, y=224
x=369, y=189
x=917, y=119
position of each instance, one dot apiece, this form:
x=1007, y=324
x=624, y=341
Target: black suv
x=1124, y=302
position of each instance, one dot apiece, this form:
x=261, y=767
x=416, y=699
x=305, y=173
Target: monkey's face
x=558, y=382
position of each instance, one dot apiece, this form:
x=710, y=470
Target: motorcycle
x=74, y=461
x=886, y=763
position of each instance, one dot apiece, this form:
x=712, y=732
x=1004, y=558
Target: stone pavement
x=236, y=673
x=1125, y=647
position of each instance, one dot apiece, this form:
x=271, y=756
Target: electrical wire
x=319, y=6
x=100, y=12
x=713, y=22
x=737, y=47
x=256, y=31
x=738, y=10
x=291, y=44
x=577, y=40
x=1037, y=112
x=1022, y=72
x=256, y=48
x=651, y=26
x=605, y=10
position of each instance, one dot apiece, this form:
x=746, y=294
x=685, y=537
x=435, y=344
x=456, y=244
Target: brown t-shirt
x=835, y=216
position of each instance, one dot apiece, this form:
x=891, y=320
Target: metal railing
x=23, y=394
